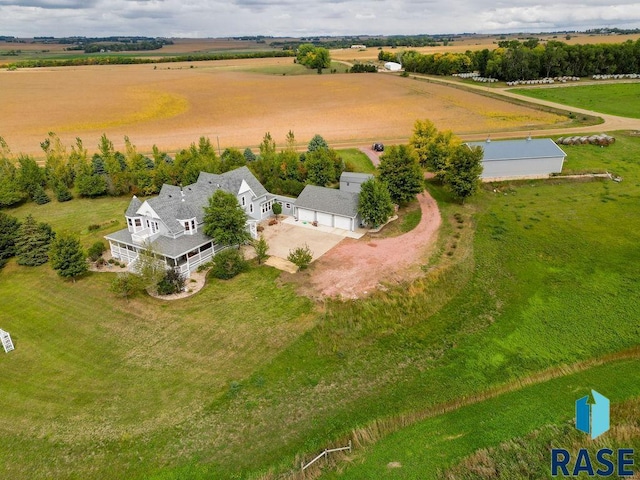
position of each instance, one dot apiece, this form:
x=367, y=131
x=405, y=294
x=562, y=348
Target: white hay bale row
x=466, y=75
x=543, y=81
x=485, y=79
x=603, y=140
x=617, y=76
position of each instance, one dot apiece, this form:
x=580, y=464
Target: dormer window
x=244, y=202
x=190, y=226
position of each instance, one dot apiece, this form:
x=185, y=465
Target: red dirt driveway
x=355, y=268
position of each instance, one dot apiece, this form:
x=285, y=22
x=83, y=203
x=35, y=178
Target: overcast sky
x=222, y=18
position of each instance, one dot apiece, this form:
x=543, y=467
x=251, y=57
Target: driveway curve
x=355, y=268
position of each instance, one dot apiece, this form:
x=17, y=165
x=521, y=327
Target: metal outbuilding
x=527, y=158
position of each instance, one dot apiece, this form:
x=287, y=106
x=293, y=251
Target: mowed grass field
x=621, y=99
x=247, y=377
x=235, y=103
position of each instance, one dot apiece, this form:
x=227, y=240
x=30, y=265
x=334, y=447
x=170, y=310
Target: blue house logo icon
x=592, y=416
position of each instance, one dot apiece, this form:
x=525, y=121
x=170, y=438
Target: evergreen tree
x=8, y=233
x=225, y=220
x=32, y=242
x=400, y=171
x=39, y=195
x=62, y=192
x=316, y=143
x=249, y=156
x=67, y=256
x=374, y=203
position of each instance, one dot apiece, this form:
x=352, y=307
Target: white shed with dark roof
x=512, y=159
x=328, y=207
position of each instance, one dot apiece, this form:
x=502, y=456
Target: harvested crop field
x=233, y=102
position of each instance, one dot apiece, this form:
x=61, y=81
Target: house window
x=130, y=222
x=266, y=206
x=251, y=208
x=148, y=225
x=243, y=201
x=138, y=222
x=287, y=205
x=186, y=226
x=193, y=225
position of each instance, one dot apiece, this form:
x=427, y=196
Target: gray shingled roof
x=169, y=203
x=133, y=207
x=519, y=149
x=231, y=181
x=170, y=247
x=328, y=200
x=355, y=177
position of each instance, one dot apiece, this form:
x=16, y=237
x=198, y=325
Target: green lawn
x=78, y=214
x=621, y=99
x=246, y=376
x=356, y=160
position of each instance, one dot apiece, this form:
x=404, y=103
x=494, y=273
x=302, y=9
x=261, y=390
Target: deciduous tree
x=400, y=171
x=225, y=220
x=374, y=205
x=261, y=248
x=463, y=171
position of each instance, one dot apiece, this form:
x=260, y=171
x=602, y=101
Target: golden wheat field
x=232, y=102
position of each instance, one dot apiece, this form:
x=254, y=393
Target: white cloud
x=220, y=18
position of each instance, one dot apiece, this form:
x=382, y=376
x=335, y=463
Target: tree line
x=125, y=60
x=530, y=59
x=68, y=172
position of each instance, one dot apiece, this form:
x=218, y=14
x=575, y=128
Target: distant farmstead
x=513, y=159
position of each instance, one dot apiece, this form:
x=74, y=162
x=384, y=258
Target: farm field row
x=235, y=103
x=246, y=375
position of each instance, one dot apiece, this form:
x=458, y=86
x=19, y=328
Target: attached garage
x=306, y=215
x=325, y=219
x=327, y=206
x=343, y=222
x=512, y=159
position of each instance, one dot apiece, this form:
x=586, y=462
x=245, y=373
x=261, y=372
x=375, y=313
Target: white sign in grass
x=5, y=338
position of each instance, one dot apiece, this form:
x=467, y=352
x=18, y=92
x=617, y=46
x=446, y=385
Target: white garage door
x=342, y=222
x=306, y=215
x=325, y=219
